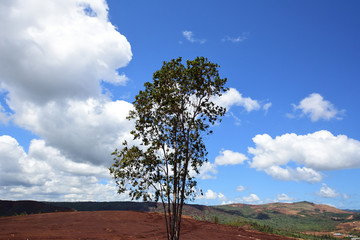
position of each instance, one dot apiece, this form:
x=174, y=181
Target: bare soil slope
x=114, y=225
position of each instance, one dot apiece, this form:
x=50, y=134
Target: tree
x=172, y=116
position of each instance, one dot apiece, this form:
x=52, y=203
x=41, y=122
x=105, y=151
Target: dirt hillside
x=114, y=225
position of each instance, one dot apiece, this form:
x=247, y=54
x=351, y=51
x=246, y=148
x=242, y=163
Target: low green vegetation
x=297, y=223
x=267, y=229
x=281, y=225
x=302, y=217
x=301, y=222
x=21, y=214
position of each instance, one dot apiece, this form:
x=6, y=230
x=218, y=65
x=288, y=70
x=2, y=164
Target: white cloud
x=10, y=155
x=228, y=157
x=319, y=151
x=252, y=199
x=283, y=198
x=290, y=174
x=211, y=195
x=52, y=64
x=227, y=202
x=327, y=192
x=4, y=116
x=60, y=51
x=207, y=171
x=86, y=131
x=240, y=188
x=315, y=107
x=45, y=174
x=189, y=35
x=266, y=106
x=238, y=39
x=233, y=98
x=221, y=196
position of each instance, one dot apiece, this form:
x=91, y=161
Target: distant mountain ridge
x=108, y=206
x=11, y=208
x=352, y=210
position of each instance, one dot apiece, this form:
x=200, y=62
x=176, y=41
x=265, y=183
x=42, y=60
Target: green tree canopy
x=172, y=116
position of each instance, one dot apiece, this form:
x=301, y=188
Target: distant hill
x=274, y=218
x=11, y=208
x=352, y=210
x=107, y=206
x=296, y=208
x=299, y=216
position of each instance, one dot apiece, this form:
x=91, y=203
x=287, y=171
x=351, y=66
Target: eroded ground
x=114, y=225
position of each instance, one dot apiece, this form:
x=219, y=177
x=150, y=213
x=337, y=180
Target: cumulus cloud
x=45, y=174
x=52, y=64
x=233, y=98
x=189, y=35
x=60, y=51
x=207, y=171
x=228, y=157
x=11, y=154
x=319, y=151
x=327, y=192
x=283, y=198
x=315, y=107
x=211, y=195
x=252, y=199
x=290, y=174
x=86, y=131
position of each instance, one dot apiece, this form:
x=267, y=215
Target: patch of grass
x=304, y=221
x=21, y=214
x=287, y=233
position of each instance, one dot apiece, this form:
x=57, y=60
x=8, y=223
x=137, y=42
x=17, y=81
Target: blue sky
x=69, y=73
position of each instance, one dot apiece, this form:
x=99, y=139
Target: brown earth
x=115, y=225
x=348, y=227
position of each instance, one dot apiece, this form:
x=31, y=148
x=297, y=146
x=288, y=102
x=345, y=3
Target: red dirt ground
x=114, y=225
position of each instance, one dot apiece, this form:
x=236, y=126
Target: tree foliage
x=172, y=116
